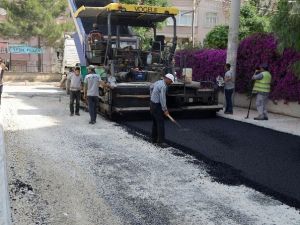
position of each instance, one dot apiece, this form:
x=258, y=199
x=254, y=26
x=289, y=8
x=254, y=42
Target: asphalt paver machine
x=119, y=54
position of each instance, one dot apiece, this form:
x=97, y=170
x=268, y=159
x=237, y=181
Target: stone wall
x=31, y=77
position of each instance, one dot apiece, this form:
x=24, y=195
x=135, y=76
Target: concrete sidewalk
x=5, y=217
x=286, y=124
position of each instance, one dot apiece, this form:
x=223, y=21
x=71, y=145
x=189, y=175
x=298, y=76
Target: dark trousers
x=158, y=125
x=74, y=96
x=93, y=102
x=1, y=89
x=228, y=96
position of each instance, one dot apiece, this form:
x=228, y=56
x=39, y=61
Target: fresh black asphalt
x=240, y=153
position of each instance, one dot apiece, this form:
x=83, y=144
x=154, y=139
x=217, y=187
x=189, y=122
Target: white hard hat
x=170, y=76
x=91, y=67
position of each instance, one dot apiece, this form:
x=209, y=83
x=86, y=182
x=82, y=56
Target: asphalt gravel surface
x=265, y=159
x=63, y=170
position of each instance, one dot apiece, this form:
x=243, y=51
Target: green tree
x=251, y=21
x=144, y=33
x=217, y=37
x=286, y=24
x=189, y=46
x=34, y=18
x=264, y=7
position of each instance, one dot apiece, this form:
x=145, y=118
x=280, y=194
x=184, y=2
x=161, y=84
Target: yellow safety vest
x=263, y=85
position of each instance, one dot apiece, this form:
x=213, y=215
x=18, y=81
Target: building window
x=170, y=21
x=184, y=18
x=211, y=19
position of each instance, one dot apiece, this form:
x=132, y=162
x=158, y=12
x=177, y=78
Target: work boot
x=153, y=141
x=259, y=118
x=163, y=145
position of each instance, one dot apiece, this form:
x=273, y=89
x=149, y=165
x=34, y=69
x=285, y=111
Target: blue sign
x=24, y=50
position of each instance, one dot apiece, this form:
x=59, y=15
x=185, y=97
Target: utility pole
x=233, y=36
x=193, y=22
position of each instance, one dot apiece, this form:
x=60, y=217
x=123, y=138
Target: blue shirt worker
x=158, y=108
x=91, y=92
x=75, y=91
x=262, y=87
x=228, y=89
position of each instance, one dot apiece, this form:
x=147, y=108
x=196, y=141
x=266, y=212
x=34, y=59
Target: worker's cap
x=91, y=67
x=170, y=76
x=265, y=66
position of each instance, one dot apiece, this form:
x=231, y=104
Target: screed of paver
x=64, y=171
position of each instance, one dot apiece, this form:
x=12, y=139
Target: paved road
x=262, y=156
x=63, y=170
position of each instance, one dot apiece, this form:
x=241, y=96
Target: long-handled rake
x=177, y=124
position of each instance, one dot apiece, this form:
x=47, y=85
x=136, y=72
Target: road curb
x=5, y=214
x=279, y=123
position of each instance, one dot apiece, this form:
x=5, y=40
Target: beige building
x=208, y=14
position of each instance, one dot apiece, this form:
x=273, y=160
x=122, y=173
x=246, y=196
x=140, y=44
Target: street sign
x=19, y=49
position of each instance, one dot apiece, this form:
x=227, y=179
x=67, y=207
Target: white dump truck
x=70, y=59
x=70, y=56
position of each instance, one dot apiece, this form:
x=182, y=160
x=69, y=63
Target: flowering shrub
x=207, y=64
x=253, y=51
x=262, y=48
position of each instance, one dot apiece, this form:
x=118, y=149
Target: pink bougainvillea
x=207, y=64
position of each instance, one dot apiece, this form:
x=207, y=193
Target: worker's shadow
x=29, y=112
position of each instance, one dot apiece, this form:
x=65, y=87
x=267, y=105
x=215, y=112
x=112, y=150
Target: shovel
x=176, y=123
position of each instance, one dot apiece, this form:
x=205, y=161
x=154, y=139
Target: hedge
x=207, y=64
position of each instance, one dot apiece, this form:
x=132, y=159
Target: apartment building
x=208, y=14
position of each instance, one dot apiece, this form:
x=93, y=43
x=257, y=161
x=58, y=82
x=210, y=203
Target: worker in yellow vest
x=262, y=87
